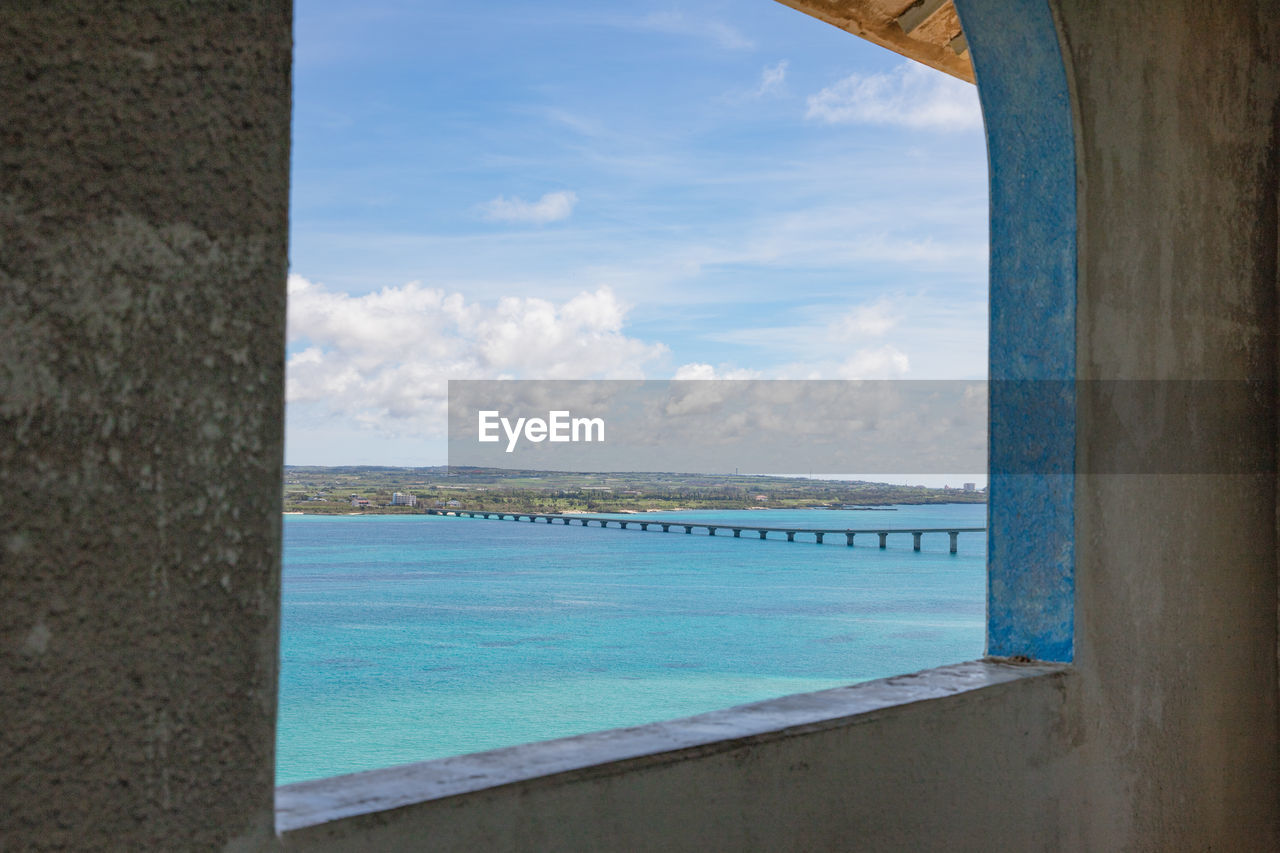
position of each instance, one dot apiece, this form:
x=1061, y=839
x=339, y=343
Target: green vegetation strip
x=339, y=490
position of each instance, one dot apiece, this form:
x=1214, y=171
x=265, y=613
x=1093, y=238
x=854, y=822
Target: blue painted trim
x=1022, y=84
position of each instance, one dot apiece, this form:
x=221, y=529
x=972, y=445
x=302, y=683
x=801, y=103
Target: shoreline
x=887, y=508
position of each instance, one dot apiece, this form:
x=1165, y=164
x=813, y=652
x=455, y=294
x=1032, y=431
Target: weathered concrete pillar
x=737, y=532
x=688, y=529
x=954, y=536
x=915, y=540
x=848, y=538
x=764, y=534
x=144, y=217
x=819, y=537
x=666, y=528
x=884, y=538
x=711, y=531
x=791, y=536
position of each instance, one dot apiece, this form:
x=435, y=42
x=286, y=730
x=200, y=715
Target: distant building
x=398, y=499
x=360, y=502
x=453, y=503
x=970, y=487
x=762, y=497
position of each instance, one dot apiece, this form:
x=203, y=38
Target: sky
x=578, y=190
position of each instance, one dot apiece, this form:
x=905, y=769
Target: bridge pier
x=791, y=536
x=737, y=532
x=666, y=528
x=915, y=541
x=954, y=536
x=711, y=531
x=764, y=534
x=884, y=538
x=848, y=539
x=688, y=528
x=819, y=535
x=644, y=525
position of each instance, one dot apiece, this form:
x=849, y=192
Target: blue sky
x=584, y=190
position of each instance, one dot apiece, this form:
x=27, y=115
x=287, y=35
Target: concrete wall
x=143, y=190
x=143, y=228
x=985, y=767
x=1178, y=105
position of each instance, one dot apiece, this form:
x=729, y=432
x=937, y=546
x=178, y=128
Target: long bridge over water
x=819, y=533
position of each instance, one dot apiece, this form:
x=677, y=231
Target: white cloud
x=680, y=24
x=886, y=362
x=911, y=95
x=702, y=370
x=772, y=79
x=871, y=320
x=387, y=356
x=552, y=207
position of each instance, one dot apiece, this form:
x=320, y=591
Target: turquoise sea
x=413, y=637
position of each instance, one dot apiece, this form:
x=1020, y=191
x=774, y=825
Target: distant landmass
x=374, y=489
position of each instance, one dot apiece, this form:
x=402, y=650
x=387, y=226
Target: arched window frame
x=1026, y=105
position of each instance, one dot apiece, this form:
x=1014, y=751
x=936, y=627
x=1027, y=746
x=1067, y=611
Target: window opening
x=719, y=192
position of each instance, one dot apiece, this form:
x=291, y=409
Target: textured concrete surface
x=1177, y=114
x=939, y=760
x=1031, y=409
x=143, y=228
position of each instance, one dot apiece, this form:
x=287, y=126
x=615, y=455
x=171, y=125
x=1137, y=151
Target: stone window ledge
x=323, y=801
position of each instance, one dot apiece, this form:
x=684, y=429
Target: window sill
x=306, y=805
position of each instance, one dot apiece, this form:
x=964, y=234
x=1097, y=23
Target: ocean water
x=414, y=637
